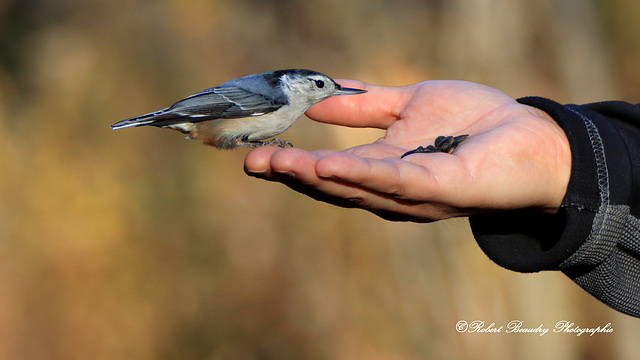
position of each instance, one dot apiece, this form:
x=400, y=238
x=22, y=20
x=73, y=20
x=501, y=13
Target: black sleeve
x=595, y=237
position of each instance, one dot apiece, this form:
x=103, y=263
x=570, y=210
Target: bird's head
x=314, y=86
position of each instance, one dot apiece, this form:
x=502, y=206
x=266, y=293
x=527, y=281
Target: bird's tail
x=146, y=119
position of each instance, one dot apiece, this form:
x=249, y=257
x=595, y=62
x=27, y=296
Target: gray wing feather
x=221, y=102
x=225, y=102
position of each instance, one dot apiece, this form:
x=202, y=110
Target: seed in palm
x=444, y=144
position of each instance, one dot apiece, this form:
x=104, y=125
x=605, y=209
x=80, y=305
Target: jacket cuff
x=528, y=241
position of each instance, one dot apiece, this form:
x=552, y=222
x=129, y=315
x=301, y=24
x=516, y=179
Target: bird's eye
x=319, y=84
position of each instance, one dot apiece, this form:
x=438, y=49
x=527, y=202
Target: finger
x=258, y=161
x=294, y=165
x=438, y=178
x=291, y=166
x=378, y=108
x=381, y=175
x=374, y=193
x=297, y=168
x=323, y=152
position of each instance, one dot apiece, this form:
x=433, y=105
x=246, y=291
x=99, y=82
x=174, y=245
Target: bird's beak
x=347, y=91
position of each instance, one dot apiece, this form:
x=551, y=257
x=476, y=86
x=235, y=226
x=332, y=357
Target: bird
x=245, y=111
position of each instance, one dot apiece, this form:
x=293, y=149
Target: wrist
x=558, y=158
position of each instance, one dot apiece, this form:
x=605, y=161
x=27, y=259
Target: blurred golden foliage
x=140, y=245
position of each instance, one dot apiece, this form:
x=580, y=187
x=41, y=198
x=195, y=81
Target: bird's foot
x=272, y=142
x=444, y=144
x=278, y=142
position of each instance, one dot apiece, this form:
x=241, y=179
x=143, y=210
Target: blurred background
x=137, y=244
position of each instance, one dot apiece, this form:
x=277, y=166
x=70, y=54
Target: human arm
x=595, y=237
x=546, y=186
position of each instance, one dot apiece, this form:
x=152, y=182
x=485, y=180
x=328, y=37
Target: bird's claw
x=444, y=144
x=272, y=142
x=278, y=142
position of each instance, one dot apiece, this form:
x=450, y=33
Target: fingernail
x=259, y=173
x=290, y=174
x=330, y=177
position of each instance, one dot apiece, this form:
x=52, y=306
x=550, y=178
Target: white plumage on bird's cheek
x=306, y=88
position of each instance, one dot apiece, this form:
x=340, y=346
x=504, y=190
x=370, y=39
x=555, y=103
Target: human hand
x=515, y=157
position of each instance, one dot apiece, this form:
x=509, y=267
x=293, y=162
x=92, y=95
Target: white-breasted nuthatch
x=246, y=110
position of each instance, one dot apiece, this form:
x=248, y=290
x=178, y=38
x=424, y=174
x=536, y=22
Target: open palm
x=515, y=157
